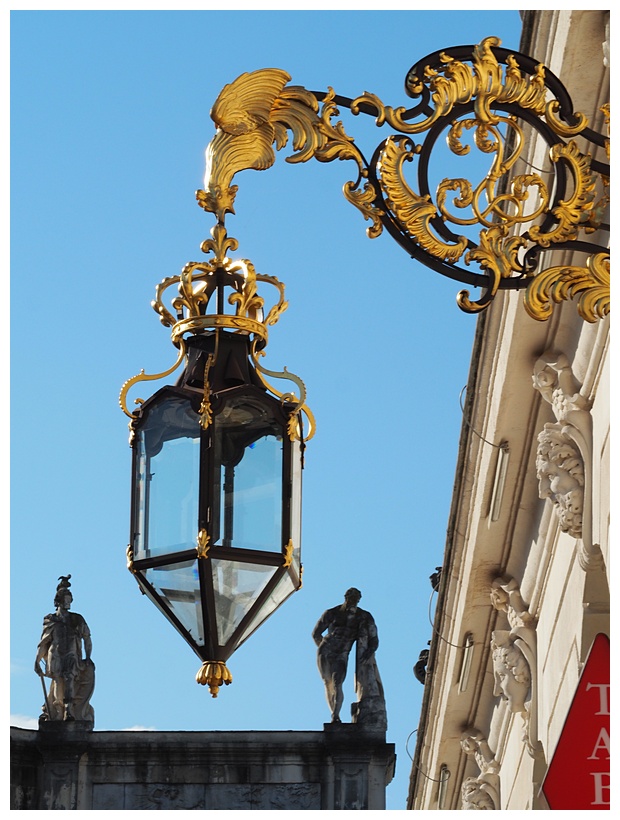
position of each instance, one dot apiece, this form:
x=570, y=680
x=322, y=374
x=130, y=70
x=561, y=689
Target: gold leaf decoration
x=497, y=102
x=202, y=543
x=213, y=674
x=288, y=554
x=590, y=285
x=571, y=212
x=497, y=254
x=413, y=211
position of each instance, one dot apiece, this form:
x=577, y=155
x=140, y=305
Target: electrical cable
x=428, y=777
x=439, y=635
x=468, y=423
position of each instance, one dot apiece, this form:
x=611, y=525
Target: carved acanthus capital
x=473, y=742
x=481, y=791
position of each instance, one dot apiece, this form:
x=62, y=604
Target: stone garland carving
x=515, y=660
x=482, y=791
x=564, y=454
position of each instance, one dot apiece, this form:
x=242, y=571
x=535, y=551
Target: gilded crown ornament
x=494, y=96
x=190, y=312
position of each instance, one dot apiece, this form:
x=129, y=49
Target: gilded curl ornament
x=489, y=233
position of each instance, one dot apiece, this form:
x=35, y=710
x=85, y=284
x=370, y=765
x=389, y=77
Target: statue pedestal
x=66, y=729
x=64, y=765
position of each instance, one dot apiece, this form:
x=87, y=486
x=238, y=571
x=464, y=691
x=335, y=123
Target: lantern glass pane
x=283, y=589
x=168, y=475
x=296, y=504
x=178, y=587
x=248, y=451
x=236, y=586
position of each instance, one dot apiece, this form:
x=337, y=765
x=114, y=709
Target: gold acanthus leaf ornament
x=486, y=84
x=570, y=213
x=590, y=285
x=413, y=211
x=202, y=544
x=497, y=254
x=213, y=674
x=252, y=115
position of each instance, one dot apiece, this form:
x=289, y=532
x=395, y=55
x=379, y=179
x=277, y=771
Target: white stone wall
x=560, y=579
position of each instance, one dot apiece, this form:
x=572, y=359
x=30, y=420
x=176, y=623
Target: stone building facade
x=525, y=582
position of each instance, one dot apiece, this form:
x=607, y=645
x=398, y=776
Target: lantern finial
x=213, y=674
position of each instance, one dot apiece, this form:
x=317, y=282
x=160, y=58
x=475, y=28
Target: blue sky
x=109, y=123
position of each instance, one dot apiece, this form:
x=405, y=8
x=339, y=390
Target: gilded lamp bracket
x=491, y=233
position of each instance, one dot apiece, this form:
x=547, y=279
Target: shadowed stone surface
x=66, y=766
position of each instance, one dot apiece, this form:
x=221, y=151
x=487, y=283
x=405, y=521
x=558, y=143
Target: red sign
x=578, y=775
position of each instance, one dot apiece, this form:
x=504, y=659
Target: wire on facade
x=439, y=635
x=468, y=423
x=427, y=776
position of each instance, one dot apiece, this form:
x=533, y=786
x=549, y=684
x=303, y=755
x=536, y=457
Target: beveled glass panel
x=168, y=478
x=296, y=472
x=236, y=586
x=248, y=476
x=179, y=588
x=284, y=588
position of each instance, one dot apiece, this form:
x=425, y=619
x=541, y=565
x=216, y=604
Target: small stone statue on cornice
x=419, y=667
x=346, y=625
x=60, y=649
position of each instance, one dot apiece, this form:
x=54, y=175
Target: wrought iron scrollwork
x=491, y=96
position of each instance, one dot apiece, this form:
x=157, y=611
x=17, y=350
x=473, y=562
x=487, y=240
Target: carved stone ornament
x=560, y=473
x=510, y=671
x=475, y=795
x=72, y=675
x=514, y=657
x=482, y=791
x=564, y=453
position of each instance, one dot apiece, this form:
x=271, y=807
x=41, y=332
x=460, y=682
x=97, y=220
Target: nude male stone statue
x=346, y=625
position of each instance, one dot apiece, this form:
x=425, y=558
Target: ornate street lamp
x=217, y=461
x=216, y=509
